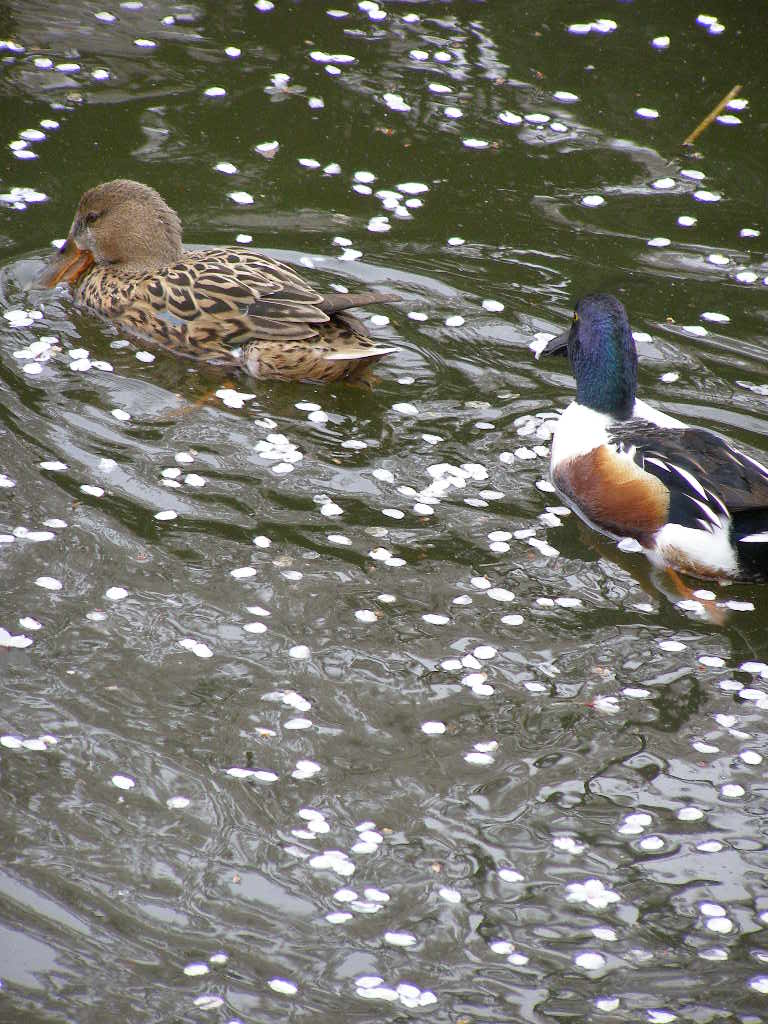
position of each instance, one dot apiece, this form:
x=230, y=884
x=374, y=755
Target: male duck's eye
x=575, y=318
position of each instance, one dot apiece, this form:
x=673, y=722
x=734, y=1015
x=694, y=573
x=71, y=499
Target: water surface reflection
x=386, y=729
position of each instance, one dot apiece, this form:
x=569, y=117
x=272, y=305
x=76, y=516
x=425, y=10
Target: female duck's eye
x=91, y=217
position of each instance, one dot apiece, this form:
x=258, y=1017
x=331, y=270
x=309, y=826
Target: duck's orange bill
x=68, y=265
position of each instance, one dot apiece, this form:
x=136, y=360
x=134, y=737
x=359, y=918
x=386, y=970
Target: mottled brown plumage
x=230, y=306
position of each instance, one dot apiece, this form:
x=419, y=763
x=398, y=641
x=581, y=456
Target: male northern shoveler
x=231, y=306
x=691, y=500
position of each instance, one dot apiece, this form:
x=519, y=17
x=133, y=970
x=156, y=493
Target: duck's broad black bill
x=557, y=346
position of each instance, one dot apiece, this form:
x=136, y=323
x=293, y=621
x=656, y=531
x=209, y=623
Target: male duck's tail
x=750, y=536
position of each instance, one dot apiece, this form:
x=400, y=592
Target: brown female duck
x=231, y=306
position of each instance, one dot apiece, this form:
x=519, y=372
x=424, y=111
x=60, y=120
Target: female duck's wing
x=273, y=296
x=277, y=302
x=217, y=304
x=212, y=302
x=337, y=302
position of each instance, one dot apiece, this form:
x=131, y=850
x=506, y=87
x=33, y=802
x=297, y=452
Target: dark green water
x=400, y=777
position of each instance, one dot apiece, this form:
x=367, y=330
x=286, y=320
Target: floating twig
x=711, y=116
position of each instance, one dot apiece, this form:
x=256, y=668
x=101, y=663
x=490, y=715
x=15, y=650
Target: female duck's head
x=602, y=354
x=119, y=223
